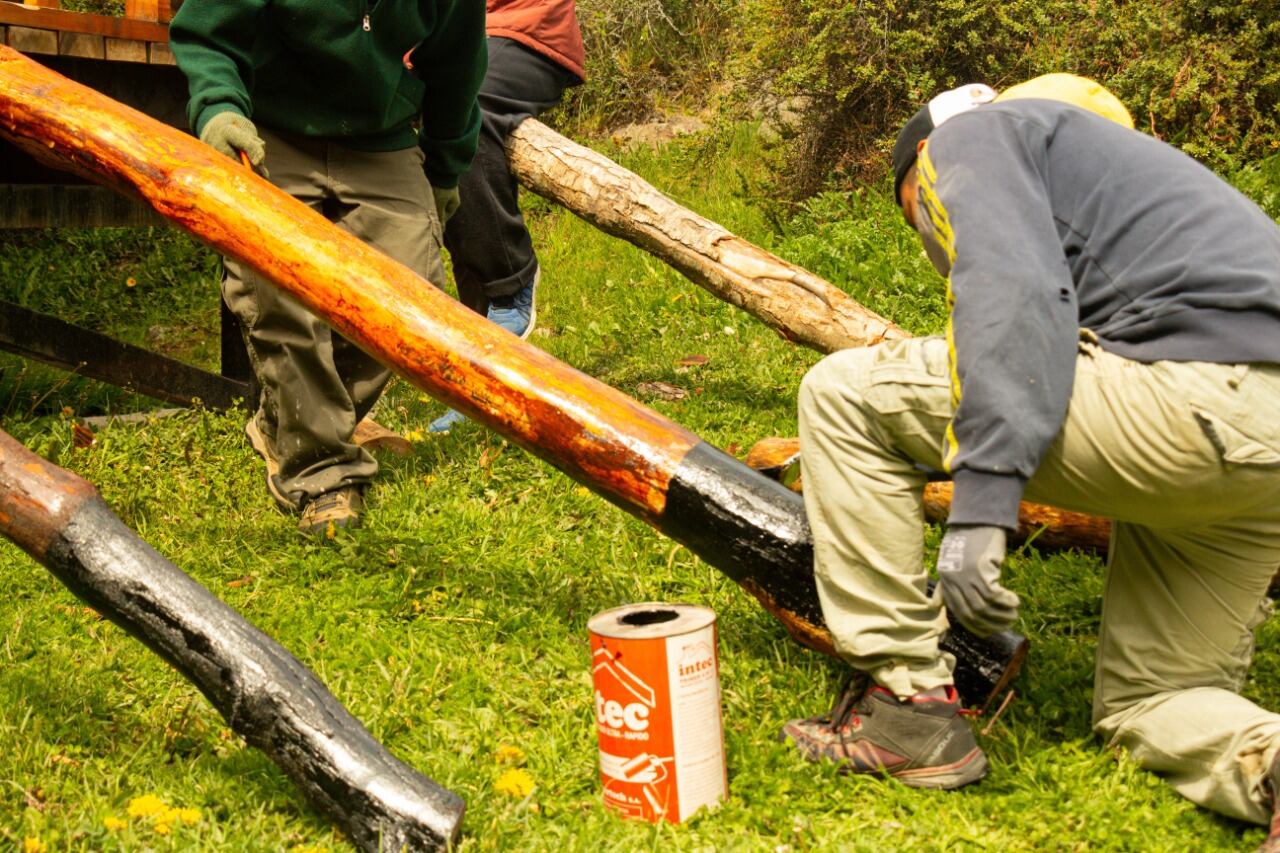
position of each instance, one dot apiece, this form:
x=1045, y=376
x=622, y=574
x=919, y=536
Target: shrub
x=642, y=51
x=1194, y=73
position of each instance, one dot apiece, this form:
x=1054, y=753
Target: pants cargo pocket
x=1234, y=445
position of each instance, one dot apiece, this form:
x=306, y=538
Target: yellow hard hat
x=1072, y=89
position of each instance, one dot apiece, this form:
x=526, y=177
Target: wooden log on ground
x=744, y=524
x=793, y=301
x=1045, y=526
x=264, y=693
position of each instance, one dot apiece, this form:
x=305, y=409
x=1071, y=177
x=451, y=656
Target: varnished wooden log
x=744, y=524
x=264, y=693
x=1045, y=526
x=797, y=304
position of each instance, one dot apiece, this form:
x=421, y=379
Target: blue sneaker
x=516, y=313
x=447, y=421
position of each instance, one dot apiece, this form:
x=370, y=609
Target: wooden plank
x=60, y=20
x=83, y=45
x=70, y=206
x=126, y=50
x=43, y=4
x=142, y=10
x=161, y=54
x=42, y=337
x=169, y=8
x=30, y=40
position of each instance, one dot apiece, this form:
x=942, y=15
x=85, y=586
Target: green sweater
x=334, y=69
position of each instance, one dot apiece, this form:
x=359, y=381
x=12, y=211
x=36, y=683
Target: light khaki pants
x=316, y=385
x=1185, y=457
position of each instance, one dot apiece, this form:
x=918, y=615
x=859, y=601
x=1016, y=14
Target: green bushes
x=1197, y=74
x=640, y=52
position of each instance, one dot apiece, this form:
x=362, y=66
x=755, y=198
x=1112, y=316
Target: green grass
x=454, y=623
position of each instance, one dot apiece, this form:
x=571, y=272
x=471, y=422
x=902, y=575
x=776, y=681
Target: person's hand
x=231, y=133
x=447, y=201
x=969, y=579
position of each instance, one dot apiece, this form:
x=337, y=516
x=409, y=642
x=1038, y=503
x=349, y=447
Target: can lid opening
x=648, y=617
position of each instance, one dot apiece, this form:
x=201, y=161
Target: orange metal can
x=657, y=703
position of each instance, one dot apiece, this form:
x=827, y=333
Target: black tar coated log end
x=756, y=532
x=265, y=694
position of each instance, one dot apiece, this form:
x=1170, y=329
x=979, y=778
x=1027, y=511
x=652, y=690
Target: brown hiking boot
x=263, y=447
x=338, y=508
x=923, y=743
x=1272, y=786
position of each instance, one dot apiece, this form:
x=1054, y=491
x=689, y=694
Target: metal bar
x=44, y=338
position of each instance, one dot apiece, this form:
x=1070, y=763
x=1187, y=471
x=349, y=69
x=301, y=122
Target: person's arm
x=451, y=62
x=1013, y=327
x=211, y=41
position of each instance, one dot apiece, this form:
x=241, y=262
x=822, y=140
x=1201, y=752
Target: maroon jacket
x=548, y=27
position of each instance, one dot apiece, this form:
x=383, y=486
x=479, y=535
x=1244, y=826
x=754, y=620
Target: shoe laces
x=848, y=709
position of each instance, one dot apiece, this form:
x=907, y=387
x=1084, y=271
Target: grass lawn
x=453, y=624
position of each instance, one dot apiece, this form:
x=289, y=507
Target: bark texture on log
x=264, y=693
x=794, y=302
x=1045, y=526
x=747, y=526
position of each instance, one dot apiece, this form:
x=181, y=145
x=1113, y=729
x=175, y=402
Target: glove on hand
x=230, y=133
x=969, y=579
x=447, y=201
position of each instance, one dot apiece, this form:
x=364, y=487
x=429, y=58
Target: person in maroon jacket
x=535, y=53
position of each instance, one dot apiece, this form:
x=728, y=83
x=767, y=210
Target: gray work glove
x=230, y=133
x=969, y=579
x=447, y=201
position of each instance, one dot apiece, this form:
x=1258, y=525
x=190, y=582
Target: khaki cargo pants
x=1183, y=456
x=316, y=385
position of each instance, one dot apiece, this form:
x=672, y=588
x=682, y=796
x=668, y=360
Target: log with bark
x=799, y=305
x=264, y=693
x=744, y=524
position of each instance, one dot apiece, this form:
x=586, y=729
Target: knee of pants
x=837, y=379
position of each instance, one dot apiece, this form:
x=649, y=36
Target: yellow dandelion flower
x=508, y=755
x=162, y=828
x=113, y=823
x=130, y=281
x=514, y=783
x=189, y=816
x=583, y=491
x=146, y=806
x=415, y=435
x=33, y=845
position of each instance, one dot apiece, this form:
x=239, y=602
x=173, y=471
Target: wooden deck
x=125, y=58
x=129, y=60
x=42, y=28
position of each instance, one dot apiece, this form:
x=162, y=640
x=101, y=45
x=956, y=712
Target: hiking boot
x=264, y=448
x=340, y=507
x=1272, y=787
x=516, y=313
x=923, y=743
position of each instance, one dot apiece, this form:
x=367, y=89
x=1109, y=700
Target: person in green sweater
x=319, y=99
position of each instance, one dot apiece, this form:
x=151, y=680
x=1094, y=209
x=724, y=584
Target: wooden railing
x=43, y=27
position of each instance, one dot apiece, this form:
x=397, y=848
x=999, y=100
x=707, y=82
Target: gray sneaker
x=263, y=447
x=923, y=743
